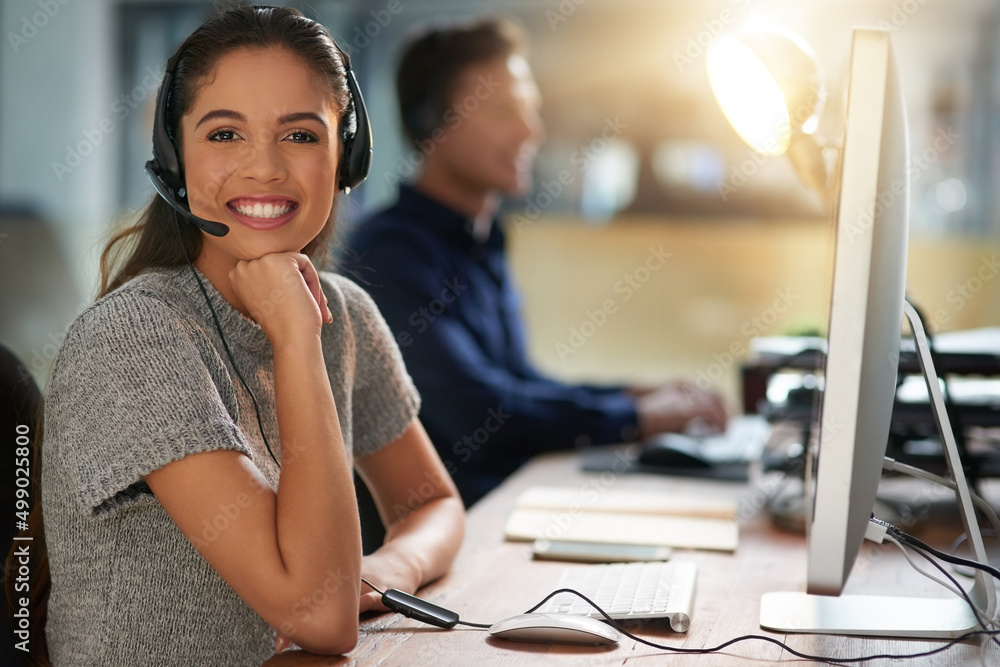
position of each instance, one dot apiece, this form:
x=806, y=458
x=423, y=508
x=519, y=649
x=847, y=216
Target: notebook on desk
x=620, y=516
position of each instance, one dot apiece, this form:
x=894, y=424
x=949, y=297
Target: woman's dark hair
x=153, y=241
x=436, y=55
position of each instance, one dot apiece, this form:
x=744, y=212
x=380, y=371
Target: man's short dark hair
x=435, y=56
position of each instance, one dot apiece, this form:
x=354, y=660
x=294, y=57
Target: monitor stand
x=888, y=616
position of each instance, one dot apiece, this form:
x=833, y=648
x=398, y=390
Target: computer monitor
x=863, y=341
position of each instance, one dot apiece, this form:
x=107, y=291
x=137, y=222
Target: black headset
x=167, y=174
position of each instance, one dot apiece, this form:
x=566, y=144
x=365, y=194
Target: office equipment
x=419, y=609
x=597, y=552
x=724, y=456
x=673, y=450
x=742, y=443
x=631, y=591
x=555, y=629
x=860, y=377
x=779, y=381
x=493, y=578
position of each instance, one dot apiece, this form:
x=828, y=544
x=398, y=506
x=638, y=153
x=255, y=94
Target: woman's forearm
x=425, y=540
x=283, y=547
x=316, y=512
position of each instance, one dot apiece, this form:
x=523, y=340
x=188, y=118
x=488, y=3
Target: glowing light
x=749, y=96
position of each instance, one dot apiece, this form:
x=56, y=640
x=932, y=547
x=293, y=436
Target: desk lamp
x=769, y=84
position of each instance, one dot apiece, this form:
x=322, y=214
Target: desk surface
x=493, y=579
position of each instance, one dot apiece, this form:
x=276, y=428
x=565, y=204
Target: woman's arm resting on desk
x=274, y=554
x=423, y=513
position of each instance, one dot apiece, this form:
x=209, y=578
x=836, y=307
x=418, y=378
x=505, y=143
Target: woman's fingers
x=283, y=293
x=311, y=277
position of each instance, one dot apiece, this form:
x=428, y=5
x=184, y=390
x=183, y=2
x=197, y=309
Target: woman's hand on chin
x=282, y=292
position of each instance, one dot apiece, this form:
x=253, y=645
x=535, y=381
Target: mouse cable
x=413, y=607
x=770, y=640
x=225, y=345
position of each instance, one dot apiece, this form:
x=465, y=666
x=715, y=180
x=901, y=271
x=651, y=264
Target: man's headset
x=167, y=174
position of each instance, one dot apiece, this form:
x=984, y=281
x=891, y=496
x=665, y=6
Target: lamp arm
x=805, y=151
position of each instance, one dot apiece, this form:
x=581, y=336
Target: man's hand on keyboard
x=675, y=406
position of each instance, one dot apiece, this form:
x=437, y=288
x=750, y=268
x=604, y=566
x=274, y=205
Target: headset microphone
x=167, y=173
x=207, y=226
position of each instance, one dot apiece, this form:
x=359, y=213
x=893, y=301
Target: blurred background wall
x=653, y=167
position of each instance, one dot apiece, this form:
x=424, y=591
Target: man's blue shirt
x=453, y=309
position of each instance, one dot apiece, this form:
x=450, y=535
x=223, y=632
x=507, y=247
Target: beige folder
x=625, y=501
x=624, y=517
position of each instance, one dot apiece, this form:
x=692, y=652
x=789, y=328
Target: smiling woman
x=205, y=414
x=270, y=167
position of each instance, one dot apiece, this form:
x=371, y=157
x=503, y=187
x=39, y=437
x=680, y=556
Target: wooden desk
x=493, y=579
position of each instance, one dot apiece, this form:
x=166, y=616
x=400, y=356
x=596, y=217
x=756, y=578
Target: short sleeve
x=135, y=387
x=384, y=399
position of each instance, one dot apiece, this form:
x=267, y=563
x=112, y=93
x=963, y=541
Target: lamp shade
x=769, y=85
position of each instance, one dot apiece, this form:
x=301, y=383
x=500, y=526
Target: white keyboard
x=744, y=440
x=630, y=590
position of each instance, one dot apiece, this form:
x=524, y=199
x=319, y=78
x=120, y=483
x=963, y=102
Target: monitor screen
x=866, y=315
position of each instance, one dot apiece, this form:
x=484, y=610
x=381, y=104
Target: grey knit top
x=142, y=379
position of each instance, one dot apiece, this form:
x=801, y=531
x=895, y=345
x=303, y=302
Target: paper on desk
x=619, y=528
x=625, y=501
x=970, y=341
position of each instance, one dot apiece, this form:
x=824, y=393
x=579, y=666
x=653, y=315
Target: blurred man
x=434, y=262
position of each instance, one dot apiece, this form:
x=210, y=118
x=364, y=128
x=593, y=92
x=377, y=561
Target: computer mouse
x=672, y=450
x=555, y=629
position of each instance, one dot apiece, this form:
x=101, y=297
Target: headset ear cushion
x=357, y=156
x=166, y=161
x=357, y=146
